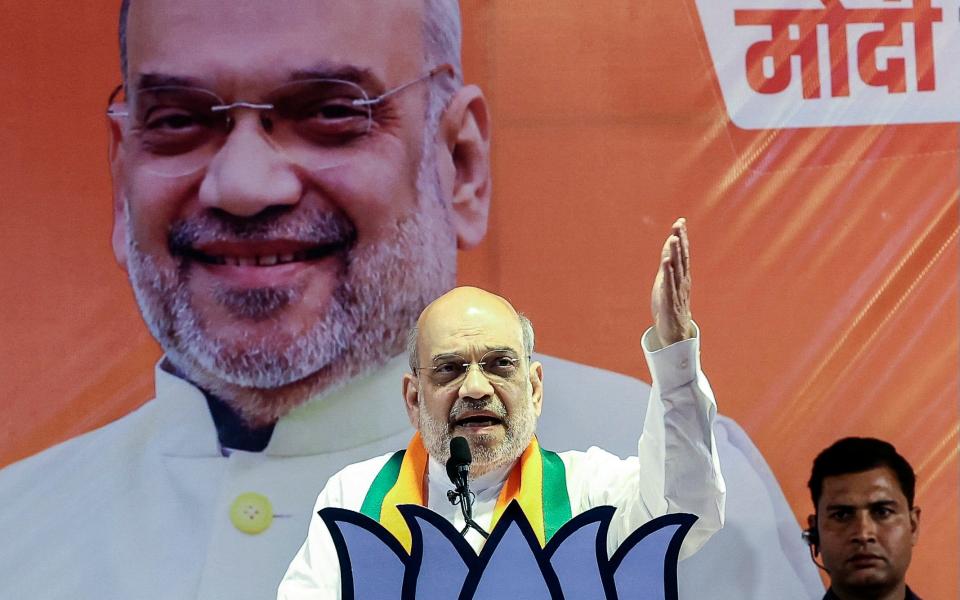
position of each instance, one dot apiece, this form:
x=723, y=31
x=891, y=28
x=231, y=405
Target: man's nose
x=475, y=384
x=249, y=174
x=864, y=528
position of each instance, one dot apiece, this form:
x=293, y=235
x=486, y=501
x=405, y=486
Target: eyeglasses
x=316, y=123
x=496, y=366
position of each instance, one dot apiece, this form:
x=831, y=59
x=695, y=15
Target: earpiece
x=812, y=537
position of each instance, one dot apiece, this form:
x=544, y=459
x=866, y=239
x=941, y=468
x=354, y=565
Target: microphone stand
x=464, y=497
x=458, y=470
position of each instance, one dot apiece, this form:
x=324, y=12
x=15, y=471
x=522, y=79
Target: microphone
x=458, y=465
x=458, y=470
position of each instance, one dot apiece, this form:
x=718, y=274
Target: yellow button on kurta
x=251, y=513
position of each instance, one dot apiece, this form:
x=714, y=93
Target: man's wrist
x=651, y=341
x=673, y=365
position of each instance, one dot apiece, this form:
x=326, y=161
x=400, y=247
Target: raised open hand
x=670, y=299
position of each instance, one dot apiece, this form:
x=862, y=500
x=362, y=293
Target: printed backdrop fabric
x=812, y=146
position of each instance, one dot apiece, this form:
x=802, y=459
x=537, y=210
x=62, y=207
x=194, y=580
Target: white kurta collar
x=487, y=484
x=366, y=409
x=485, y=491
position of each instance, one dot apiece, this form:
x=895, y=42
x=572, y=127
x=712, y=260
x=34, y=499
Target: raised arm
x=679, y=466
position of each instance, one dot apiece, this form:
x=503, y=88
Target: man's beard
x=364, y=325
x=519, y=426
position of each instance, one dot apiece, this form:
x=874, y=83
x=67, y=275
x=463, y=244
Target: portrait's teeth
x=263, y=260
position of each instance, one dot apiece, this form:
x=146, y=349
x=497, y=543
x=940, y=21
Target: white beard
x=519, y=425
x=364, y=326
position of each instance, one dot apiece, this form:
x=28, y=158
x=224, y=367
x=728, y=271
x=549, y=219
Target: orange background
x=825, y=261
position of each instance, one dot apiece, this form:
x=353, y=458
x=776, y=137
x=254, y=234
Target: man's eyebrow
x=486, y=350
x=447, y=356
x=152, y=80
x=363, y=77
x=489, y=349
x=876, y=504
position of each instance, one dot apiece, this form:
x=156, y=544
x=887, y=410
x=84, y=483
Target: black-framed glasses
x=316, y=123
x=450, y=370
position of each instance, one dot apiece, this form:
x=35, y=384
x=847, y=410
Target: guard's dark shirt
x=910, y=595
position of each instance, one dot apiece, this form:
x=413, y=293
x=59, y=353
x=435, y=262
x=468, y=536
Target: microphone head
x=460, y=459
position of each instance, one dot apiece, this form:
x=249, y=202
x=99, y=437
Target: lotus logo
x=443, y=566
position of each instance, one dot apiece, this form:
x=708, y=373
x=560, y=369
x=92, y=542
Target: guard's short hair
x=858, y=454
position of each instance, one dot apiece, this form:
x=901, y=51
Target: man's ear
x=915, y=524
x=119, y=237
x=465, y=135
x=536, y=384
x=411, y=398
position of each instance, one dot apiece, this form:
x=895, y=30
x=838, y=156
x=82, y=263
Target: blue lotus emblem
x=442, y=565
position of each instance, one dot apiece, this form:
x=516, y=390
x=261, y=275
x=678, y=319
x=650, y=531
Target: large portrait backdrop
x=825, y=256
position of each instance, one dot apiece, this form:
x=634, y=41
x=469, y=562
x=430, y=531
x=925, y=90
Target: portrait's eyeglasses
x=316, y=123
x=496, y=366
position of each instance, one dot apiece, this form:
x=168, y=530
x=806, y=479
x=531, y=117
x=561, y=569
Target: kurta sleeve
x=679, y=465
x=676, y=469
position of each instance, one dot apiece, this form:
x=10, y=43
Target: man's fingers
x=666, y=293
x=676, y=261
x=679, y=227
x=685, y=248
x=665, y=252
x=671, y=290
x=667, y=267
x=680, y=230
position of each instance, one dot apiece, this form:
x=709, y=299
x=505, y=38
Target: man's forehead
x=472, y=334
x=244, y=41
x=473, y=344
x=862, y=489
x=470, y=320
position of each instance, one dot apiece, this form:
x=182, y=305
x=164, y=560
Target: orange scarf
x=537, y=482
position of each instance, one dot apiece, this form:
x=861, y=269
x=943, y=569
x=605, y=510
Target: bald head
x=472, y=376
x=469, y=306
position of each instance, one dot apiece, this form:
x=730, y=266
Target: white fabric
x=139, y=508
x=676, y=470
x=759, y=552
x=486, y=490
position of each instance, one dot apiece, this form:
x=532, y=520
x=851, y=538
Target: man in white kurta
x=677, y=424
x=495, y=407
